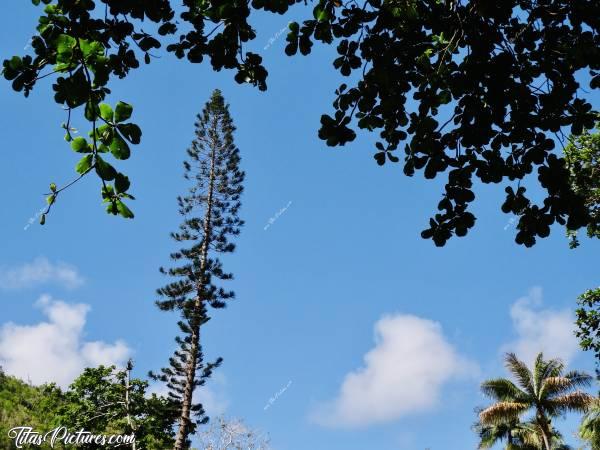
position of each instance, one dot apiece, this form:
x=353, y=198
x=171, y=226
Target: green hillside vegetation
x=102, y=401
x=22, y=404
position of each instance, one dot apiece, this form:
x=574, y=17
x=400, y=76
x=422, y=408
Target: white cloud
x=40, y=271
x=541, y=330
x=54, y=351
x=403, y=374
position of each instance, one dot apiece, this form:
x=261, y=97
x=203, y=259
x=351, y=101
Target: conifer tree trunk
x=190, y=375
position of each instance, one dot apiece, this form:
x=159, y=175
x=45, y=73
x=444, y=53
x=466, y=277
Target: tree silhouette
x=210, y=218
x=476, y=91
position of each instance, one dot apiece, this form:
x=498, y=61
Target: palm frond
x=508, y=431
x=589, y=430
x=545, y=369
x=539, y=366
x=503, y=390
x=555, y=368
x=580, y=379
x=520, y=371
x=488, y=435
x=577, y=401
x=502, y=412
x=553, y=386
x=529, y=434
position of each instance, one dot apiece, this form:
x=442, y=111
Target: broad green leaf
x=124, y=211
x=80, y=145
x=91, y=49
x=320, y=13
x=123, y=111
x=105, y=134
x=121, y=183
x=64, y=48
x=119, y=148
x=106, y=112
x=84, y=164
x=73, y=90
x=132, y=132
x=105, y=170
x=111, y=208
x=107, y=193
x=445, y=97
x=65, y=43
x=14, y=63
x=101, y=70
x=92, y=111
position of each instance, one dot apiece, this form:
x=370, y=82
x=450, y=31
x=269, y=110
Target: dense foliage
x=589, y=430
x=517, y=435
x=23, y=404
x=209, y=212
x=583, y=159
x=101, y=400
x=476, y=89
x=105, y=400
x=588, y=321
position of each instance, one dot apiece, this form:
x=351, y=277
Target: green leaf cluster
x=583, y=158
x=588, y=321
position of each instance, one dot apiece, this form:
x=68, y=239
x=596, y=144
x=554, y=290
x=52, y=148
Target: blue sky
x=341, y=275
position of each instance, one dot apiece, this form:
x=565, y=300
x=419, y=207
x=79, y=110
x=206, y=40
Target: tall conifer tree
x=210, y=219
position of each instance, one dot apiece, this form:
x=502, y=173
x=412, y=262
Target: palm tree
x=545, y=390
x=530, y=436
x=518, y=436
x=589, y=430
x=489, y=435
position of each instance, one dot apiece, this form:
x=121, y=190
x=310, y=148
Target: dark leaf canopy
x=476, y=91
